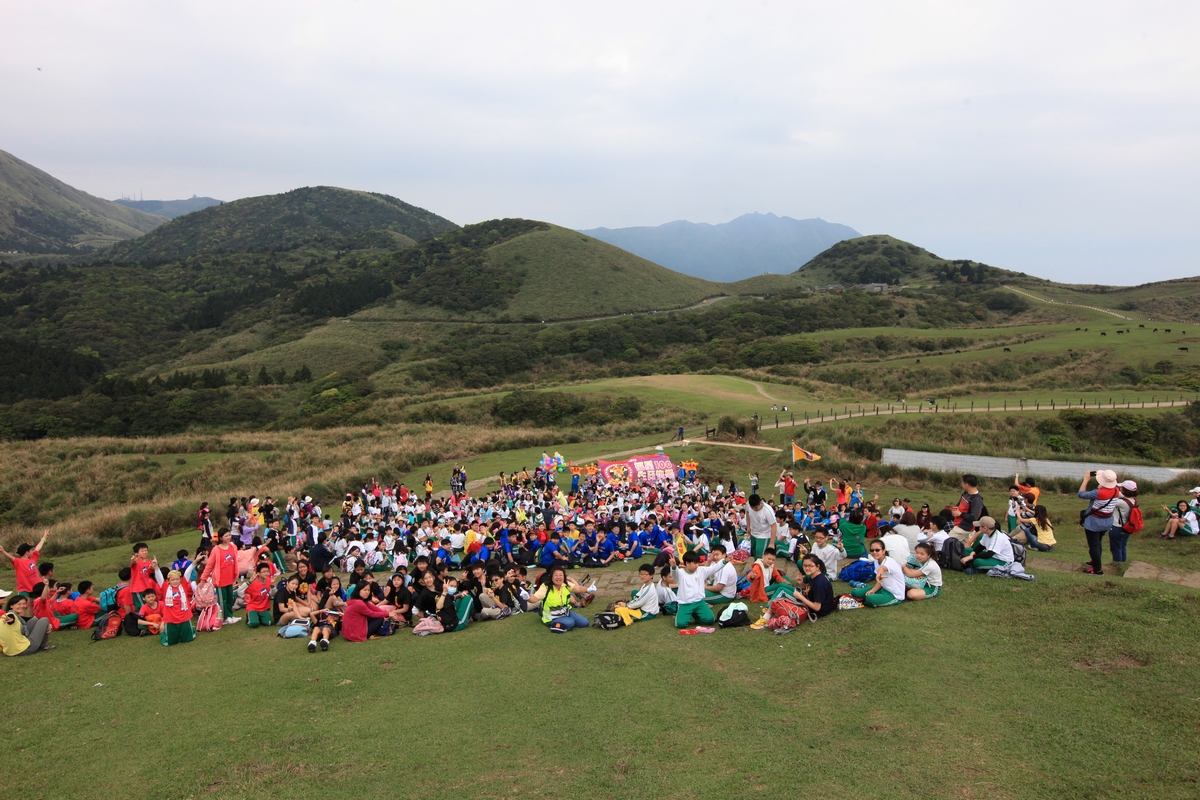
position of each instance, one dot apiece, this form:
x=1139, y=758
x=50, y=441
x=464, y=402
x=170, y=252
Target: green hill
x=885, y=259
x=281, y=222
x=41, y=214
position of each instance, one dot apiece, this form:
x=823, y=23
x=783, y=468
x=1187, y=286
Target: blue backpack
x=108, y=598
x=861, y=571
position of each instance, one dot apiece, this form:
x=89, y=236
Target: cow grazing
x=1184, y=349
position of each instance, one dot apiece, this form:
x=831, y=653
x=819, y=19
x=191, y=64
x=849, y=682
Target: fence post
x=805, y=417
x=1006, y=404
x=1022, y=404
x=1051, y=405
x=989, y=402
x=1037, y=405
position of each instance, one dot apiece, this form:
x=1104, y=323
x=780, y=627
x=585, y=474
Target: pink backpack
x=205, y=595
x=428, y=625
x=210, y=619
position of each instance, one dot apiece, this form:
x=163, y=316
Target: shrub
x=1059, y=444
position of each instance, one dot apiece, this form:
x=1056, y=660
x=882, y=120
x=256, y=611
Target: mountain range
x=752, y=244
x=170, y=208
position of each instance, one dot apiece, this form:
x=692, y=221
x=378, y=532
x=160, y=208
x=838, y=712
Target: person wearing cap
x=988, y=548
x=1118, y=535
x=1097, y=518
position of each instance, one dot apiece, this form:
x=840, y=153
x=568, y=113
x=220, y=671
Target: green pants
x=984, y=563
x=225, y=598
x=67, y=620
x=780, y=589
x=137, y=601
x=716, y=599
x=256, y=618
x=757, y=547
x=880, y=599
x=651, y=551
x=176, y=633
x=700, y=610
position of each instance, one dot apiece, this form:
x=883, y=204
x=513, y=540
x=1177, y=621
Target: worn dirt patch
x=1110, y=665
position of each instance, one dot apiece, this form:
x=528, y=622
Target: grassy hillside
x=41, y=214
x=886, y=259
x=283, y=221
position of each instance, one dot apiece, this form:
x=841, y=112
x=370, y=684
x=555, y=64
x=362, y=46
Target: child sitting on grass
x=643, y=604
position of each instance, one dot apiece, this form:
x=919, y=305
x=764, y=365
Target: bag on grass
x=1019, y=551
x=210, y=620
x=205, y=595
x=294, y=630
x=428, y=625
x=952, y=555
x=861, y=570
x=607, y=621
x=735, y=615
x=849, y=602
x=107, y=626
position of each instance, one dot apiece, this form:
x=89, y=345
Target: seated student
x=429, y=597
x=175, y=599
x=1034, y=523
x=766, y=580
x=327, y=617
x=554, y=552
x=491, y=604
x=816, y=595
x=934, y=532
x=512, y=593
x=362, y=618
x=722, y=584
x=1181, y=521
x=988, y=548
x=555, y=595
x=896, y=544
x=697, y=539
x=63, y=607
x=396, y=595
x=668, y=603
x=828, y=550
x=853, y=534
x=690, y=579
x=643, y=604
x=86, y=606
x=631, y=548
x=258, y=598
x=484, y=553
x=287, y=606
x=889, y=580
x=21, y=635
x=149, y=615
x=922, y=575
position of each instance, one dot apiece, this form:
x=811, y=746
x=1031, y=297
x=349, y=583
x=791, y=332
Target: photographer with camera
x=1097, y=518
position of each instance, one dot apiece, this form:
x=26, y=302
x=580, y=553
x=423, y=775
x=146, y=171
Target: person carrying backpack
x=1127, y=520
x=1097, y=518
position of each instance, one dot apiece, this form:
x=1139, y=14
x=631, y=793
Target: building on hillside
x=829, y=287
x=878, y=288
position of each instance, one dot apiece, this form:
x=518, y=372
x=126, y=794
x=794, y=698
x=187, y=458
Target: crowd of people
x=389, y=558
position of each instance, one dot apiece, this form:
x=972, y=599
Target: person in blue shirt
x=442, y=554
x=181, y=562
x=484, y=553
x=553, y=552
x=856, y=497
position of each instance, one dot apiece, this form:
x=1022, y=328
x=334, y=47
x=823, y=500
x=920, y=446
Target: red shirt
x=27, y=574
x=87, y=608
x=45, y=610
x=354, y=619
x=258, y=596
x=222, y=565
x=124, y=600
x=179, y=609
x=143, y=575
x=149, y=614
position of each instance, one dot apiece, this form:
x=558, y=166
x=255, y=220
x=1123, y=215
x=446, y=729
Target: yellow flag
x=800, y=454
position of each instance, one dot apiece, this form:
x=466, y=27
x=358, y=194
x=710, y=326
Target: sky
x=1058, y=139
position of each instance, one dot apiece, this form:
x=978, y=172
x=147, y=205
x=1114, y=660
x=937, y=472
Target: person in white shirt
x=994, y=548
x=722, y=584
x=828, y=550
x=644, y=604
x=690, y=579
x=762, y=525
x=922, y=575
x=908, y=528
x=897, y=546
x=889, y=586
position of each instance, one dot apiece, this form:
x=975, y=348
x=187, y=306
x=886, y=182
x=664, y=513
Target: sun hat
x=1106, y=478
x=1129, y=486
x=1195, y=490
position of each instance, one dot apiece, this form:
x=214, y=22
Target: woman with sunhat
x=1097, y=518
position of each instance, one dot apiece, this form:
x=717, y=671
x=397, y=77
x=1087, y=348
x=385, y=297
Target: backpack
x=1019, y=552
x=735, y=615
x=607, y=621
x=294, y=630
x=952, y=554
x=1135, y=523
x=107, y=626
x=205, y=595
x=210, y=619
x=108, y=598
x=861, y=570
x=428, y=625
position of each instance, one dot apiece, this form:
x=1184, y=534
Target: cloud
x=1011, y=133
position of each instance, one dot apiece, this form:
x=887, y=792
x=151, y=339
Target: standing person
x=1125, y=521
x=761, y=525
x=1097, y=518
x=889, y=589
x=222, y=568
x=428, y=487
x=971, y=501
x=24, y=564
x=141, y=570
x=204, y=524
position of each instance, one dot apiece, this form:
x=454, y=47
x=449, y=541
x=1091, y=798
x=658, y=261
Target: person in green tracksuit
x=889, y=588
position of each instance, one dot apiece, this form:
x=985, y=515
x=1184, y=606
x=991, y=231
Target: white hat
x=307, y=499
x=1129, y=486
x=1196, y=490
x=1106, y=478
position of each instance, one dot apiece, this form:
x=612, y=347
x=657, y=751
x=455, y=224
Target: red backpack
x=1135, y=523
x=107, y=626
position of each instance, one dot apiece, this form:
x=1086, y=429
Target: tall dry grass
x=91, y=491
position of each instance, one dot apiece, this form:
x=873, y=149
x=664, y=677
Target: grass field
x=1068, y=686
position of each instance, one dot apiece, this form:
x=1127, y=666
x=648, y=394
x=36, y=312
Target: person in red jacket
x=176, y=606
x=86, y=605
x=24, y=563
x=258, y=598
x=221, y=569
x=141, y=572
x=362, y=618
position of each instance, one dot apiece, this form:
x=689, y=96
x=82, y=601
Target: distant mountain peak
x=751, y=244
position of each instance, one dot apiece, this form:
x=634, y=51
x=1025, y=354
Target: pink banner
x=639, y=469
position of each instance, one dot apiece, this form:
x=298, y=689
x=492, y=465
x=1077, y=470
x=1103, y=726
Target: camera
x=1093, y=473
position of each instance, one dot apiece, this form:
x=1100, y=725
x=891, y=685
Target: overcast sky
x=1058, y=139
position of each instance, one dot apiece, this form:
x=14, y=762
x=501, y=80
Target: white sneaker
x=231, y=620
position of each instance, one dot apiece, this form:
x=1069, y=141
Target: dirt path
x=1061, y=303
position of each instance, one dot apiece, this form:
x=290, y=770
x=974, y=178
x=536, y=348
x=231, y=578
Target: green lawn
x=1066, y=687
